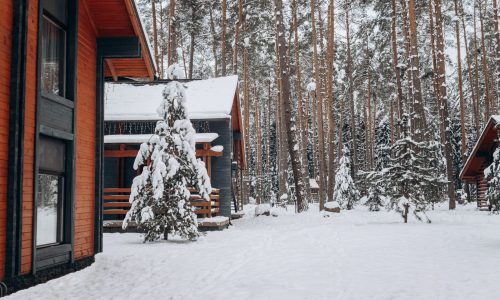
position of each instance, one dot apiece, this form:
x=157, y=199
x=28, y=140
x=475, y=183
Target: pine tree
x=160, y=195
x=375, y=199
x=382, y=143
x=492, y=174
x=345, y=192
x=410, y=175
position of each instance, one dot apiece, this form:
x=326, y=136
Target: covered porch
x=119, y=155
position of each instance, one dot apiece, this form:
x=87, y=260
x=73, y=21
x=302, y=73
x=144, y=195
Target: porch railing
x=115, y=203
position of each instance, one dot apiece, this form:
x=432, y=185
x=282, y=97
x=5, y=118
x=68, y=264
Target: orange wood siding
x=5, y=59
x=29, y=138
x=85, y=137
x=85, y=132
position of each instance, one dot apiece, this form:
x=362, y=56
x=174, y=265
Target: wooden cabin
x=54, y=58
x=480, y=158
x=214, y=109
x=314, y=190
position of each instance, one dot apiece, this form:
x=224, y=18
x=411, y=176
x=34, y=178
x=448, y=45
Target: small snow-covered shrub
x=345, y=191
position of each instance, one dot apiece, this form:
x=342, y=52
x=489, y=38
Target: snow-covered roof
x=313, y=183
x=142, y=138
x=494, y=121
x=206, y=99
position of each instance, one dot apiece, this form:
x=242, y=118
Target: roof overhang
x=120, y=18
x=481, y=151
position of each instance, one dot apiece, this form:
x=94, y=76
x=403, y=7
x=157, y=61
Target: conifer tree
x=492, y=174
x=345, y=192
x=410, y=175
x=375, y=199
x=382, y=143
x=160, y=195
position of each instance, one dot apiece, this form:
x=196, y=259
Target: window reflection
x=48, y=209
x=53, y=65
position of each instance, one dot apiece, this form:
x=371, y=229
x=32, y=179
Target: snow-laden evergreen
x=410, y=179
x=160, y=195
x=345, y=192
x=492, y=175
x=382, y=143
x=375, y=199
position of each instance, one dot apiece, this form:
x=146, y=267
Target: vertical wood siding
x=85, y=137
x=29, y=138
x=5, y=58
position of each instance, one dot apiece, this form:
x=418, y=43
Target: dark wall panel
x=221, y=166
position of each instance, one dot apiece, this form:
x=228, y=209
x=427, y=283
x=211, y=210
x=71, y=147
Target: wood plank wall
x=85, y=131
x=85, y=136
x=29, y=138
x=5, y=59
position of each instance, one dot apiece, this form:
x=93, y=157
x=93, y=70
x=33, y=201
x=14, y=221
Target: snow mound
x=332, y=204
x=263, y=209
x=218, y=148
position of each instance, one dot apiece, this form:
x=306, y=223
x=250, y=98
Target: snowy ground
x=354, y=255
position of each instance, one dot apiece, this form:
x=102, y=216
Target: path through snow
x=354, y=255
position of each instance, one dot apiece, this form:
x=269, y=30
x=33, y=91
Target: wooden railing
x=115, y=202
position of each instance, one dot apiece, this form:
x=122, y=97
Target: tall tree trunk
x=473, y=88
x=172, y=39
x=301, y=120
x=293, y=147
x=258, y=145
x=368, y=119
x=395, y=62
x=246, y=111
x=319, y=108
x=155, y=31
x=418, y=114
x=351, y=92
x=330, y=112
x=161, y=66
x=191, y=55
x=239, y=24
x=476, y=64
x=214, y=42
x=486, y=72
x=496, y=103
x=463, y=144
x=444, y=102
x=406, y=34
x=223, y=38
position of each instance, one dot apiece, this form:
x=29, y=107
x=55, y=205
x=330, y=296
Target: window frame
x=55, y=118
x=60, y=208
x=64, y=72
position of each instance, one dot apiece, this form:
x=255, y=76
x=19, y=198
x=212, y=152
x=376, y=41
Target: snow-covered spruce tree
x=410, y=175
x=345, y=192
x=375, y=199
x=492, y=175
x=160, y=195
x=382, y=143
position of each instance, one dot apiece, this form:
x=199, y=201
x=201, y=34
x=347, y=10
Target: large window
x=53, y=60
x=50, y=196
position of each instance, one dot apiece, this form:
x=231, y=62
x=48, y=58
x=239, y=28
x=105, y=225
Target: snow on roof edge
x=142, y=138
x=206, y=99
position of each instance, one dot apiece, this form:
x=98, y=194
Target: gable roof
x=483, y=146
x=206, y=99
